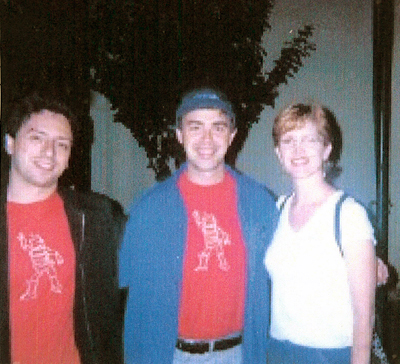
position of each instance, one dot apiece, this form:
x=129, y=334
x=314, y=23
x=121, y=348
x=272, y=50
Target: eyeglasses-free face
x=206, y=135
x=40, y=151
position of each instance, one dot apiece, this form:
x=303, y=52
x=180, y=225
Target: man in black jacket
x=59, y=301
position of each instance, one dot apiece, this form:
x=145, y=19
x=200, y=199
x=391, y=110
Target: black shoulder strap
x=283, y=203
x=337, y=217
x=337, y=221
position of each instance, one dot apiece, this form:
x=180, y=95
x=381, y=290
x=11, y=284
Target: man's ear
x=179, y=136
x=9, y=144
x=232, y=136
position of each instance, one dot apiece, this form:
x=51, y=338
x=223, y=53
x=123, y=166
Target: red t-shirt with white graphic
x=42, y=283
x=214, y=272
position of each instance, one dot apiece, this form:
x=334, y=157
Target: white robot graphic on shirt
x=44, y=261
x=214, y=241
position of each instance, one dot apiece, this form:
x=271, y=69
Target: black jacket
x=96, y=224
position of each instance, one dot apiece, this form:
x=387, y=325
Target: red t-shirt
x=42, y=283
x=214, y=272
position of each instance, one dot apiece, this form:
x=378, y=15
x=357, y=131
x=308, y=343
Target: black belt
x=201, y=347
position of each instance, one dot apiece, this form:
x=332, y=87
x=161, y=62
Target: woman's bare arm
x=361, y=265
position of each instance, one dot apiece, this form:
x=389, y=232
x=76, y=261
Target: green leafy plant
x=145, y=53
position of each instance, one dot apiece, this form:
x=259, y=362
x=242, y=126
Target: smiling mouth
x=206, y=153
x=299, y=161
x=47, y=166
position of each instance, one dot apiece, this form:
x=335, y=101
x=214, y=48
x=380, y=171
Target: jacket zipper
x=83, y=277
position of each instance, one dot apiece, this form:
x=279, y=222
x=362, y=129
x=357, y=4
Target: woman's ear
x=327, y=152
x=278, y=154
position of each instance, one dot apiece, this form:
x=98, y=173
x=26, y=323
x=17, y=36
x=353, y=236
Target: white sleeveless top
x=311, y=303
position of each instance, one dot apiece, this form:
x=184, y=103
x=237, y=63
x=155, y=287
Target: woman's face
x=302, y=151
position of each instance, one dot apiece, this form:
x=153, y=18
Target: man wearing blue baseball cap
x=192, y=256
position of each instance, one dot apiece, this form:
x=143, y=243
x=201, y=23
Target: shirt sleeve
x=354, y=223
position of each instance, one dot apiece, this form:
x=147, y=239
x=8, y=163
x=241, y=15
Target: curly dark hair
x=20, y=111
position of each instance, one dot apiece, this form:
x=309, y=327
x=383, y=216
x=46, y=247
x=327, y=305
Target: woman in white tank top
x=322, y=297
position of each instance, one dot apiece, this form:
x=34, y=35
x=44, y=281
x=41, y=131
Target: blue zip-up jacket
x=151, y=264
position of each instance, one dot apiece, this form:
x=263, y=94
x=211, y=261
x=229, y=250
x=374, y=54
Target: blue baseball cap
x=204, y=98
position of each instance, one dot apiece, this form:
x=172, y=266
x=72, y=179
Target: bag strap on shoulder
x=337, y=220
x=337, y=217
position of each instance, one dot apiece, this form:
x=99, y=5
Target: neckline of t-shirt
x=334, y=197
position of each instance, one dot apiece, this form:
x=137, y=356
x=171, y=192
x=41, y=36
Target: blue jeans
x=229, y=356
x=285, y=352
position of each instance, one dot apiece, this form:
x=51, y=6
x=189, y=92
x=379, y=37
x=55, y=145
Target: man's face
x=206, y=135
x=40, y=150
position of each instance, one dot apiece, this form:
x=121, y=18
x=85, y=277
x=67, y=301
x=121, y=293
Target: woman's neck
x=310, y=191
